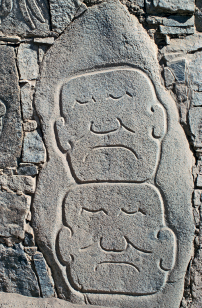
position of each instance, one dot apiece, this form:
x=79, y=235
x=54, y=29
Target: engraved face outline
x=108, y=122
x=115, y=227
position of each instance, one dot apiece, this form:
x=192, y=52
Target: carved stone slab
x=10, y=114
x=23, y=17
x=112, y=210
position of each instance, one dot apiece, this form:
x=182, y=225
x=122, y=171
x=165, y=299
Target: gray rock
x=21, y=279
x=196, y=273
x=33, y=148
x=27, y=169
x=159, y=6
x=45, y=281
x=22, y=183
x=187, y=44
x=179, y=69
x=176, y=30
x=27, y=60
x=198, y=15
x=195, y=122
x=197, y=99
x=118, y=159
x=10, y=115
x=195, y=74
x=168, y=76
x=30, y=125
x=198, y=21
x=178, y=21
x=26, y=101
x=24, y=17
x=62, y=12
x=14, y=209
x=45, y=40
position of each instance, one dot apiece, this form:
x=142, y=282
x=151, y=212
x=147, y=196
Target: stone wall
x=28, y=29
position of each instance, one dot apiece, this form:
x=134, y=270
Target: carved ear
x=159, y=121
x=62, y=134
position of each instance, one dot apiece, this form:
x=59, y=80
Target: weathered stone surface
x=195, y=71
x=196, y=281
x=45, y=282
x=10, y=123
x=188, y=44
x=26, y=101
x=9, y=300
x=176, y=30
x=178, y=21
x=62, y=12
x=29, y=126
x=28, y=61
x=118, y=160
x=24, y=17
x=197, y=99
x=158, y=6
x=13, y=209
x=46, y=40
x=27, y=169
x=179, y=69
x=195, y=122
x=18, y=183
x=21, y=279
x=198, y=15
x=168, y=76
x=33, y=148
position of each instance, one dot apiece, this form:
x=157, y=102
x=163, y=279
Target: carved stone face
x=111, y=126
x=116, y=228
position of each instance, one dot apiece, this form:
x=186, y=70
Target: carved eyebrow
x=80, y=102
x=118, y=97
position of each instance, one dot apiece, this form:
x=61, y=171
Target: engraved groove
x=94, y=211
x=118, y=263
x=139, y=249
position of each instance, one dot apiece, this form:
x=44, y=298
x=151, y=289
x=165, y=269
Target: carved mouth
x=115, y=147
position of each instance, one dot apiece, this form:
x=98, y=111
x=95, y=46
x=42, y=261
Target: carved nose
x=113, y=242
x=105, y=125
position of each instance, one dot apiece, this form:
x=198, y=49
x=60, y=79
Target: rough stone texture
x=33, y=148
x=62, y=12
x=26, y=101
x=13, y=211
x=28, y=61
x=198, y=15
x=9, y=300
x=10, y=124
x=179, y=69
x=16, y=274
x=197, y=99
x=27, y=169
x=176, y=30
x=24, y=17
x=18, y=183
x=98, y=107
x=159, y=6
x=45, y=282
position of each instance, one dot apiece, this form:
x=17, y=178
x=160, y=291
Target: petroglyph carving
x=116, y=228
x=25, y=7
x=119, y=137
x=112, y=209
